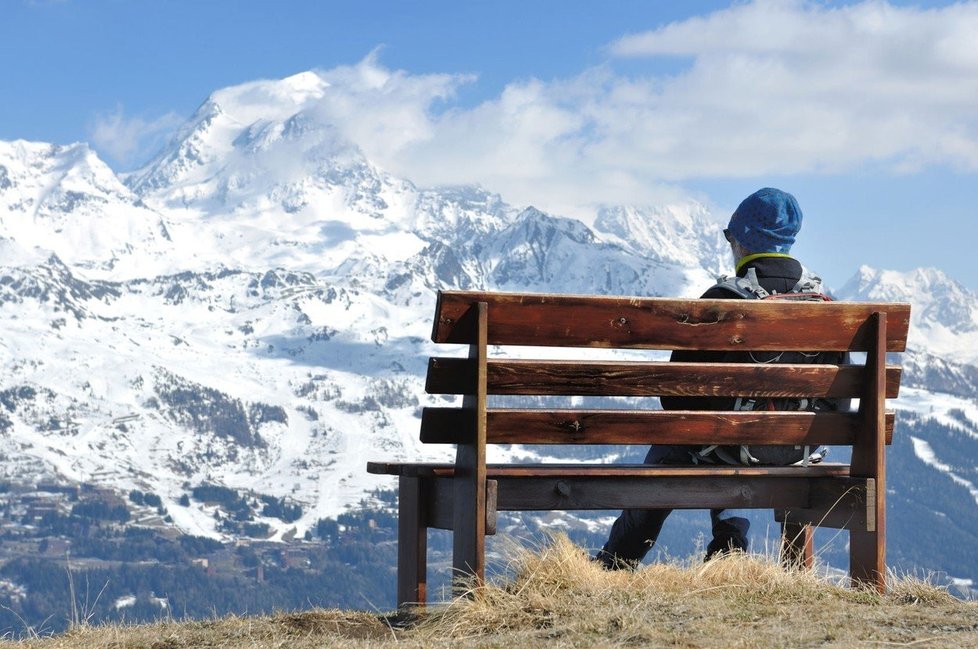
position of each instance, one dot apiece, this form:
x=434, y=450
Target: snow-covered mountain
x=945, y=314
x=942, y=351
x=252, y=307
x=277, y=335
x=66, y=200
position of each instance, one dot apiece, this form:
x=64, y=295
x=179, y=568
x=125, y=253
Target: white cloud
x=764, y=88
x=793, y=86
x=127, y=139
x=771, y=87
x=530, y=143
x=384, y=111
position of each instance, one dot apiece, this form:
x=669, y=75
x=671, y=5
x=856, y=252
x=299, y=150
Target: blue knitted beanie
x=766, y=221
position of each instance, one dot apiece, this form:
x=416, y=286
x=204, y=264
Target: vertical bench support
x=867, y=549
x=412, y=543
x=469, y=523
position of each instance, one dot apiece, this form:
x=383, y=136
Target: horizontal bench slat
x=536, y=426
x=825, y=499
x=659, y=323
x=647, y=379
x=554, y=470
x=666, y=491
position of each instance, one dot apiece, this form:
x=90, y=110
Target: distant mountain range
x=251, y=309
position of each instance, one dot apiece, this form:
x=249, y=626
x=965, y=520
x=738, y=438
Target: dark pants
x=636, y=530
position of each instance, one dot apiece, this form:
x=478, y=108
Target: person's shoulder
x=717, y=292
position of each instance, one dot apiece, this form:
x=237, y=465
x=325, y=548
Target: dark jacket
x=778, y=274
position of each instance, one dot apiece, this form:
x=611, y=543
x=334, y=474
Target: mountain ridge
x=275, y=337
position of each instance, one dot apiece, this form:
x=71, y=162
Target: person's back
x=761, y=233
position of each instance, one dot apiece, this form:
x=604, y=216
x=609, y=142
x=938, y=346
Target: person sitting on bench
x=761, y=233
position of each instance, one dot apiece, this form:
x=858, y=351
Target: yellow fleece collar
x=749, y=258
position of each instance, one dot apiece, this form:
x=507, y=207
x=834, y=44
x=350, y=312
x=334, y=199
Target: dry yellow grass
x=559, y=598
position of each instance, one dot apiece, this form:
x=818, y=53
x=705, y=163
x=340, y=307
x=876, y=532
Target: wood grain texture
x=469, y=528
x=555, y=470
x=439, y=506
x=540, y=426
x=652, y=379
x=675, y=491
x=842, y=505
x=492, y=506
x=660, y=323
x=569, y=492
x=867, y=550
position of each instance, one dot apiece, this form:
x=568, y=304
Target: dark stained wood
x=708, y=472
x=554, y=470
x=639, y=492
x=439, y=493
x=454, y=376
x=659, y=323
x=849, y=505
x=469, y=528
x=867, y=550
x=648, y=379
x=492, y=503
x=447, y=426
x=412, y=543
x=383, y=468
x=673, y=490
x=540, y=426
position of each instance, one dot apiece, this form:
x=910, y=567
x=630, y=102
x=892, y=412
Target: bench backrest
x=483, y=319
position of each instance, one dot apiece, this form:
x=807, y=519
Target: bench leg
x=468, y=520
x=412, y=543
x=797, y=547
x=468, y=542
x=867, y=560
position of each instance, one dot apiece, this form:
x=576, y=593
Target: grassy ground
x=559, y=598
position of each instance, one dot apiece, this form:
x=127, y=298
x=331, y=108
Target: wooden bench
x=466, y=496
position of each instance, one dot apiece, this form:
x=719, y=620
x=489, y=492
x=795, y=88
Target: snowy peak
x=460, y=214
x=685, y=234
x=43, y=179
x=538, y=249
x=66, y=200
x=937, y=299
x=944, y=315
x=274, y=100
x=261, y=161
x=186, y=153
x=247, y=141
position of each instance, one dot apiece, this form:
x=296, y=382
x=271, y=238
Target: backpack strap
x=747, y=287
x=808, y=284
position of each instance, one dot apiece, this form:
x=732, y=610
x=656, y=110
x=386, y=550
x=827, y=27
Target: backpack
x=808, y=289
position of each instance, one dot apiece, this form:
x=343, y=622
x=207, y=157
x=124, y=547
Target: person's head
x=765, y=221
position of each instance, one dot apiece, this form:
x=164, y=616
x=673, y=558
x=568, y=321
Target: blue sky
x=866, y=111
